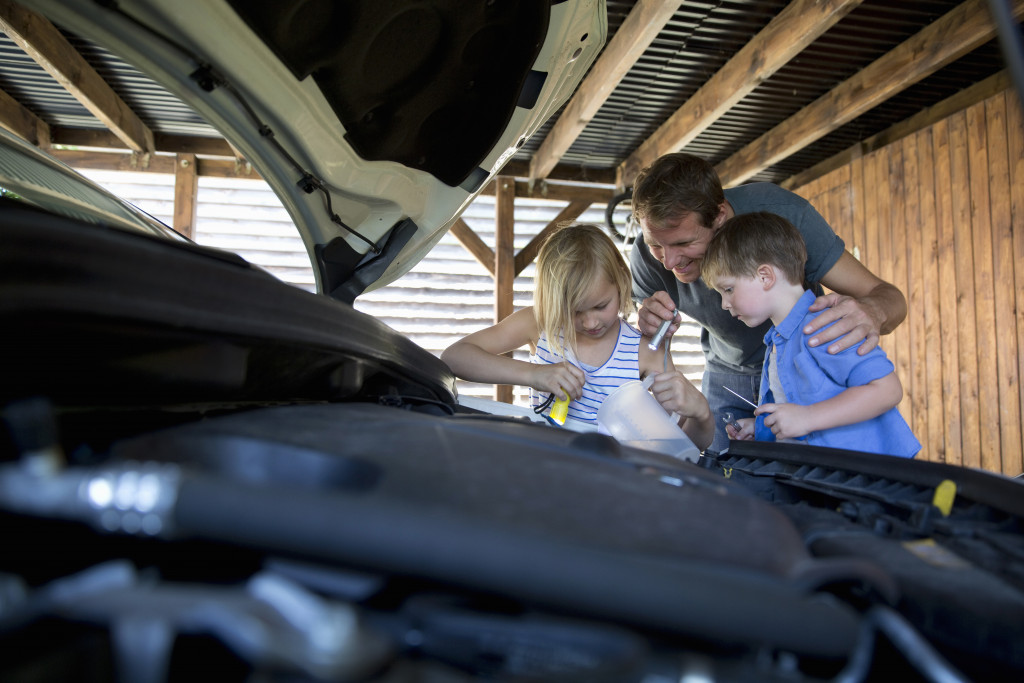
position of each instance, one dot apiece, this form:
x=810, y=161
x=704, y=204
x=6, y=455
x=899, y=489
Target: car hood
x=375, y=123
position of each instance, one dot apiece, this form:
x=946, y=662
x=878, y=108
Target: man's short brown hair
x=677, y=184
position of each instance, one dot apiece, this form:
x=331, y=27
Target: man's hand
x=863, y=306
x=855, y=320
x=656, y=309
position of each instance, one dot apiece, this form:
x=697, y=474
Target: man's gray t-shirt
x=729, y=345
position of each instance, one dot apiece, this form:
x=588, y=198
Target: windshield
x=31, y=177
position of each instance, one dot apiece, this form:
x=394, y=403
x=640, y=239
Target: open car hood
x=376, y=123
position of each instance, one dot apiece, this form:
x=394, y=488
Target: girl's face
x=746, y=298
x=599, y=310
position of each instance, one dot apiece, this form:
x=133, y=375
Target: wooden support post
x=186, y=186
x=504, y=260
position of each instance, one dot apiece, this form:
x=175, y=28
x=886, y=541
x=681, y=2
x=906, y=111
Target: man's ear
x=766, y=276
x=721, y=218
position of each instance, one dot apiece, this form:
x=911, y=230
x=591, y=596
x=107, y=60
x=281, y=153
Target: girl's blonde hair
x=572, y=258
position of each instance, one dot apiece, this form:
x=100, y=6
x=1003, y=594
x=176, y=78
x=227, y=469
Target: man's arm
x=863, y=306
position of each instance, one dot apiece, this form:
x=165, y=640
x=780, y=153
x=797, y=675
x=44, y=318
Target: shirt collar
x=788, y=327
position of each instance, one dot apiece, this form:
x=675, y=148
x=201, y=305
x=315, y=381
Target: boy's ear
x=766, y=276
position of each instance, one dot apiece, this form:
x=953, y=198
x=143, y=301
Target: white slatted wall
x=443, y=298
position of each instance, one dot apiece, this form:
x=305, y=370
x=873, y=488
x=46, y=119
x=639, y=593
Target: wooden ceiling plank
x=18, y=119
x=634, y=36
x=785, y=36
x=959, y=31
x=47, y=46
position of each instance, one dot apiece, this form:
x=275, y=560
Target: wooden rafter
x=979, y=92
x=47, y=46
x=645, y=21
x=795, y=27
x=22, y=122
x=950, y=37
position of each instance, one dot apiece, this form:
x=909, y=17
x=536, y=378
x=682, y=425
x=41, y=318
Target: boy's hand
x=786, y=420
x=744, y=433
x=558, y=379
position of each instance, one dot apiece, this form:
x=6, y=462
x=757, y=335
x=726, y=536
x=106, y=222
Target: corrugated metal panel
x=445, y=297
x=703, y=36
x=30, y=84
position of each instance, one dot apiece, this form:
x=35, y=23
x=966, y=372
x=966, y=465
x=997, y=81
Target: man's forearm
x=888, y=305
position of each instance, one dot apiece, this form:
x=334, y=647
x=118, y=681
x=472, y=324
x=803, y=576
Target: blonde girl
x=580, y=344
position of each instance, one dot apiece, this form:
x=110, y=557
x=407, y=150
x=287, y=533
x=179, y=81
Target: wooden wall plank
x=856, y=243
x=948, y=308
x=932, y=433
x=915, y=392
x=963, y=250
x=1008, y=374
x=869, y=246
x=897, y=234
x=1013, y=463
x=883, y=239
x=984, y=295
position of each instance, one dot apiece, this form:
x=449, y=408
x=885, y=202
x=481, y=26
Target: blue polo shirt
x=811, y=374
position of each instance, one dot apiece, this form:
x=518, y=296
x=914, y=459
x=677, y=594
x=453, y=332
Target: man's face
x=679, y=244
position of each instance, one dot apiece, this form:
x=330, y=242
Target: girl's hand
x=786, y=420
x=558, y=379
x=745, y=432
x=678, y=395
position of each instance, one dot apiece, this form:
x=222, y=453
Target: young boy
x=845, y=400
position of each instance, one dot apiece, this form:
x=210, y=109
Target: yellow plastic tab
x=945, y=494
x=560, y=410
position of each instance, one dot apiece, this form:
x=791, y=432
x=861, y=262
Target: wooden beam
x=633, y=37
x=979, y=92
x=22, y=122
x=186, y=185
x=564, y=172
x=504, y=261
x=47, y=46
x=113, y=161
x=529, y=252
x=785, y=36
x=955, y=34
x=171, y=144
x=556, y=192
x=474, y=245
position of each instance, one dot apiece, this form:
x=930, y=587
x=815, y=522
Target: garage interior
x=900, y=121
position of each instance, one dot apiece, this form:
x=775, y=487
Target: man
x=679, y=203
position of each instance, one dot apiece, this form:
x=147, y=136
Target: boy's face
x=745, y=298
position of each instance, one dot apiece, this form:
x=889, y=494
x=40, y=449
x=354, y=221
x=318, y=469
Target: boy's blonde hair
x=572, y=258
x=749, y=240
